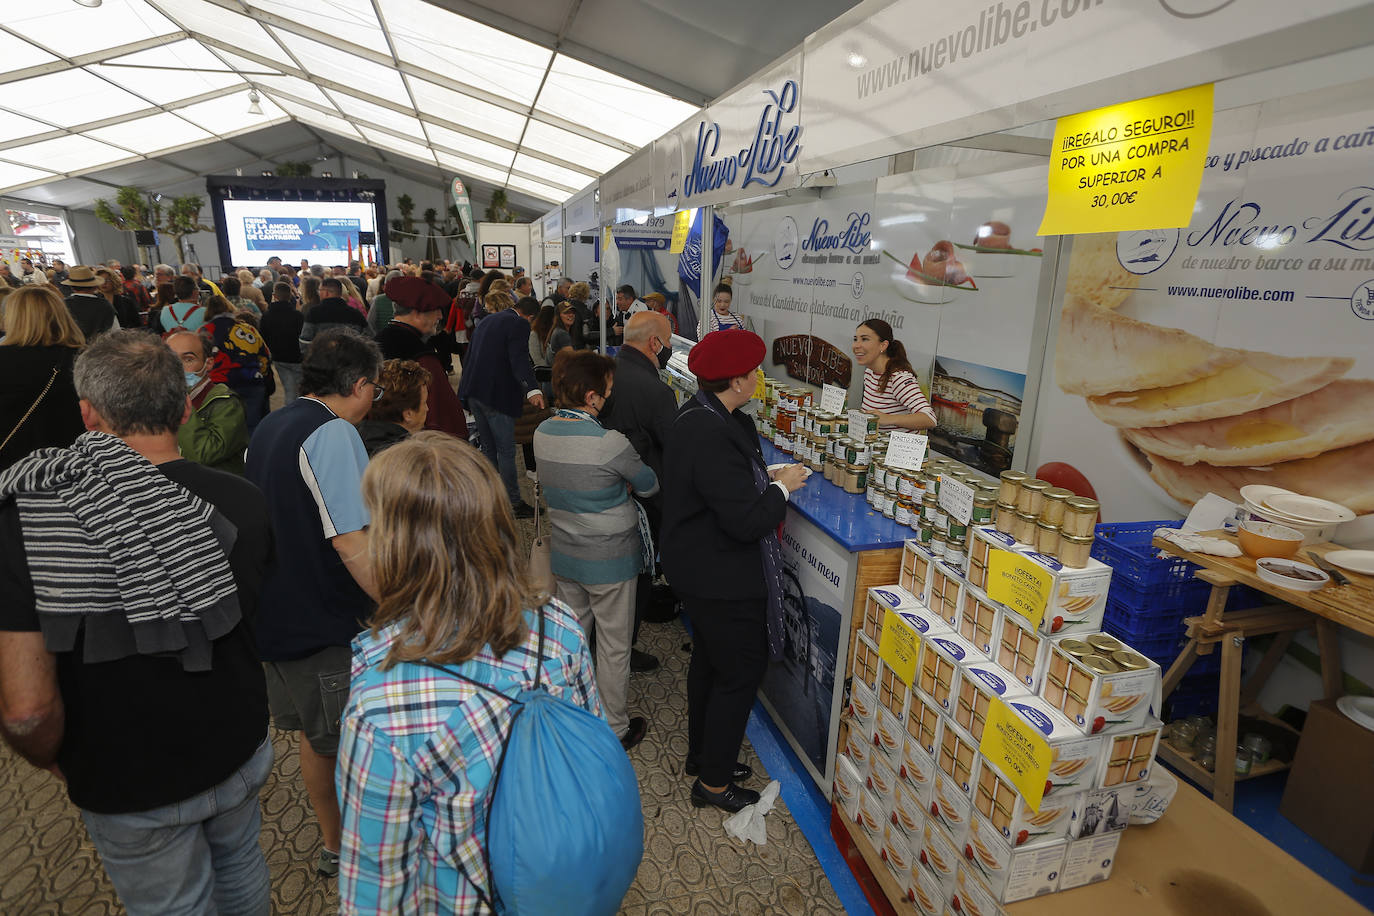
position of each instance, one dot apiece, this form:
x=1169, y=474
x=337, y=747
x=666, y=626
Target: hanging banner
x=654, y=232
x=464, y=204
x=1137, y=165
x=877, y=86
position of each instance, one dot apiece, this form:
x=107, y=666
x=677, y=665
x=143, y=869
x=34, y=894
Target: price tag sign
x=1133, y=166
x=858, y=423
x=956, y=498
x=906, y=451
x=1017, y=749
x=900, y=646
x=1019, y=583
x=760, y=386
x=682, y=225
x=833, y=398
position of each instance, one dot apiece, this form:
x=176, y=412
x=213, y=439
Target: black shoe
x=740, y=773
x=732, y=799
x=524, y=510
x=641, y=662
x=639, y=726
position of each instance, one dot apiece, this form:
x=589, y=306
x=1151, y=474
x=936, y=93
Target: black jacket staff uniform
x=713, y=520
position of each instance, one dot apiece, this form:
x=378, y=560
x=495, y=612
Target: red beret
x=416, y=294
x=726, y=354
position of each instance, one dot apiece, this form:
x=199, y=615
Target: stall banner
x=583, y=211
x=959, y=273
x=653, y=232
x=553, y=224
x=745, y=144
x=803, y=689
x=876, y=86
x=628, y=189
x=1238, y=350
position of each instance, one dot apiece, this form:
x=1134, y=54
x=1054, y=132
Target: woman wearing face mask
x=890, y=389
x=215, y=433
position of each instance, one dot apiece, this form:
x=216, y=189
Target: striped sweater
x=583, y=470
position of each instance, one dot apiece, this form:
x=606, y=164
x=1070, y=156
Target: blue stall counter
x=845, y=517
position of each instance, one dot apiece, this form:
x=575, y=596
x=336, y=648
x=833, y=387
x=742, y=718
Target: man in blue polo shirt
x=308, y=459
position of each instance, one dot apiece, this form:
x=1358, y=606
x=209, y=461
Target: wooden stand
x=1229, y=630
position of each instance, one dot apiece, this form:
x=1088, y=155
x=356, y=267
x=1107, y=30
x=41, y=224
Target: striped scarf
x=118, y=550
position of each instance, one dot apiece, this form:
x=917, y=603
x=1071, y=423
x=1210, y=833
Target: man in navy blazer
x=497, y=380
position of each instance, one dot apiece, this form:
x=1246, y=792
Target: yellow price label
x=1137, y=165
x=1018, y=750
x=1019, y=583
x=900, y=646
x=760, y=386
x=682, y=225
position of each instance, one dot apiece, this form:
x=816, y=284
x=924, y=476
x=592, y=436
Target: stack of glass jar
x=1051, y=519
x=911, y=498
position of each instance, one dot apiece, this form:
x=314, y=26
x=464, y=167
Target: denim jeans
x=290, y=376
x=200, y=855
x=497, y=439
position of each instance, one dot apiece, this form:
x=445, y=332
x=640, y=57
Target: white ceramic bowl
x=1270, y=570
x=1311, y=534
x=925, y=293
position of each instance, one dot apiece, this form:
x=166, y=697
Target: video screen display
x=318, y=231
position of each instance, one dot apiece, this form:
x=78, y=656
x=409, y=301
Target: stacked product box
x=947, y=822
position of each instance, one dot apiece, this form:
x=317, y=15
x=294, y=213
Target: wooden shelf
x=1189, y=767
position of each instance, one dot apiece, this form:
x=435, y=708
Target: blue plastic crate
x=1162, y=646
x=1162, y=598
x=1126, y=548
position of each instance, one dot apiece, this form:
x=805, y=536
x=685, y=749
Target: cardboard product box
x=924, y=722
x=1021, y=650
x=928, y=891
x=1078, y=599
x=1101, y=811
x=847, y=786
x=909, y=809
x=1012, y=873
x=882, y=598
x=917, y=772
x=958, y=756
x=942, y=595
x=872, y=817
x=892, y=692
x=937, y=850
x=1089, y=861
x=863, y=705
x=858, y=746
x=897, y=851
x=1330, y=794
x=915, y=572
x=1074, y=757
x=978, y=618
x=970, y=896
x=951, y=806
x=889, y=738
x=1093, y=700
x=982, y=540
x=1130, y=754
x=866, y=660
x=882, y=782
x=979, y=685
x=941, y=665
x=996, y=798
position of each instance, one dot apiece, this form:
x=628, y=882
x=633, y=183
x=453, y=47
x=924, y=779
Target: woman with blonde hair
x=419, y=744
x=351, y=295
x=38, y=402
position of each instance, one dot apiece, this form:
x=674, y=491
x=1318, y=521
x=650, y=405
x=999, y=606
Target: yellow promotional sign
x=1020, y=584
x=1137, y=165
x=760, y=386
x=1019, y=751
x=900, y=646
x=682, y=224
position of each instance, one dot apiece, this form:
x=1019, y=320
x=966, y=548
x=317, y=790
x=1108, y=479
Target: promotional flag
x=460, y=199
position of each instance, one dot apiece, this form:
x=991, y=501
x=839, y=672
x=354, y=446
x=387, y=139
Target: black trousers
x=729, y=657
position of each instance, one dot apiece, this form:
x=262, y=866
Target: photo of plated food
x=933, y=278
x=991, y=253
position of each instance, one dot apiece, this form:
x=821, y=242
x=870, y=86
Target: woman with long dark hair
x=890, y=388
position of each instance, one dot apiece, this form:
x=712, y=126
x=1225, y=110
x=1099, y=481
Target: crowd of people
x=180, y=563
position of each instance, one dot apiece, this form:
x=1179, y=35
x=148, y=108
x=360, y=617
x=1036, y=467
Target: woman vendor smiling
x=890, y=389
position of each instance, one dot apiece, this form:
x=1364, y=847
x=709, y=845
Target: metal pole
x=708, y=250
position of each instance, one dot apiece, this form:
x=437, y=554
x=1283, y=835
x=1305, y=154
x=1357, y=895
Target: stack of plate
x=1315, y=518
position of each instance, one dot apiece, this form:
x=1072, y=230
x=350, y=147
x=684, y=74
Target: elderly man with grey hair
x=131, y=579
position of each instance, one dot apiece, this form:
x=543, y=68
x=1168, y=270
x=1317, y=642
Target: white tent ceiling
x=434, y=87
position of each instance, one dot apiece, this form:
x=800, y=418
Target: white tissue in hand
x=747, y=823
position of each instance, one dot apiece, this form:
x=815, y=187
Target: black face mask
x=663, y=356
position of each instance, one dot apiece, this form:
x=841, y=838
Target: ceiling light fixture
x=90, y=4
x=253, y=99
